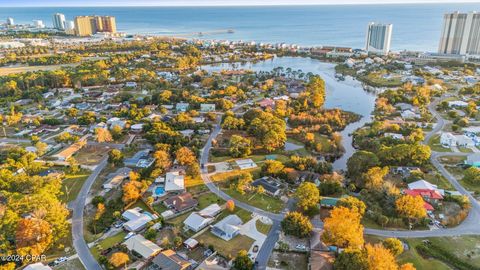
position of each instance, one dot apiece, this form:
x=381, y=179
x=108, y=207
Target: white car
x=61, y=260
x=301, y=247
x=130, y=234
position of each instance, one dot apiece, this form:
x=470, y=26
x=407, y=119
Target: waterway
x=348, y=95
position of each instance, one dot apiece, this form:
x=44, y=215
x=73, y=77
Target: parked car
x=301, y=247
x=130, y=234
x=60, y=260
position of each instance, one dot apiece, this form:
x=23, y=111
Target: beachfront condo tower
x=460, y=34
x=59, y=21
x=89, y=25
x=378, y=38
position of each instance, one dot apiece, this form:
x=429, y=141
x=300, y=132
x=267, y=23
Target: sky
x=24, y=3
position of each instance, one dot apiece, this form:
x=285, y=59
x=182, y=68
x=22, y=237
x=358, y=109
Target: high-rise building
x=89, y=25
x=10, y=21
x=84, y=26
x=460, y=34
x=38, y=24
x=378, y=38
x=59, y=21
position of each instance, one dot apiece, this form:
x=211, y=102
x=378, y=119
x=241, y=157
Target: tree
x=407, y=266
x=411, y=207
x=185, y=156
x=343, y=228
x=115, y=157
x=41, y=148
x=73, y=164
x=242, y=261
x=240, y=146
x=472, y=176
x=351, y=258
x=380, y=258
x=119, y=259
x=116, y=132
x=373, y=178
x=394, y=245
x=296, y=224
x=315, y=91
x=360, y=162
x=268, y=129
x=162, y=161
x=33, y=236
x=353, y=204
x=150, y=234
x=260, y=190
x=272, y=167
x=131, y=192
x=103, y=135
x=230, y=206
x=307, y=196
x=243, y=182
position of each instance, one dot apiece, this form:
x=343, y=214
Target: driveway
x=250, y=229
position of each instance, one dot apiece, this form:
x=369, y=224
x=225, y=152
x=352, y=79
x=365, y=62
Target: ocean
x=415, y=26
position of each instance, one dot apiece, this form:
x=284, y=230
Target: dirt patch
x=288, y=260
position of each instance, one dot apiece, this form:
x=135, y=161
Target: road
x=79, y=243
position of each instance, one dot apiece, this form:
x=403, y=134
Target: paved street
x=77, y=220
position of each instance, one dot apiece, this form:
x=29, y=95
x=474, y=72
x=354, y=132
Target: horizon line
x=241, y=5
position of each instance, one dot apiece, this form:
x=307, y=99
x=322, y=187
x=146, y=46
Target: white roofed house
x=142, y=246
x=448, y=139
x=228, y=227
x=137, y=219
x=210, y=211
x=196, y=222
x=174, y=182
x=207, y=107
x=245, y=164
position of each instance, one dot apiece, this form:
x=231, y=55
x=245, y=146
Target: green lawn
x=71, y=186
x=107, y=243
x=141, y=204
x=464, y=247
x=207, y=199
x=74, y=264
x=262, y=201
x=465, y=150
x=435, y=145
x=262, y=227
x=226, y=248
x=244, y=215
x=160, y=208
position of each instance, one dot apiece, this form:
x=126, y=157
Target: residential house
x=410, y=114
x=432, y=196
x=137, y=219
x=137, y=128
x=170, y=260
x=132, y=162
x=422, y=184
x=131, y=84
x=207, y=107
x=267, y=103
x=457, y=104
x=447, y=139
x=269, y=184
x=70, y=151
x=328, y=202
x=228, y=227
x=116, y=178
x=145, y=248
x=181, y=203
x=473, y=160
x=174, y=182
x=245, y=164
x=196, y=222
x=37, y=266
x=182, y=107
x=210, y=211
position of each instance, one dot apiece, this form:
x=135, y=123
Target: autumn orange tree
x=33, y=236
x=103, y=135
x=353, y=203
x=131, y=191
x=230, y=205
x=411, y=207
x=343, y=228
x=119, y=259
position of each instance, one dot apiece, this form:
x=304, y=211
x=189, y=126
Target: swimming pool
x=159, y=191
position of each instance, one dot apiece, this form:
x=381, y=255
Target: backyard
x=226, y=248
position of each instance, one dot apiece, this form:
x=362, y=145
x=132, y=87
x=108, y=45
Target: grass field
x=262, y=227
x=13, y=70
x=107, y=243
x=226, y=248
x=261, y=201
x=74, y=264
x=71, y=186
x=207, y=199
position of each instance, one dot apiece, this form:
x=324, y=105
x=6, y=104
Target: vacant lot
x=91, y=154
x=71, y=186
x=288, y=261
x=261, y=201
x=226, y=248
x=107, y=243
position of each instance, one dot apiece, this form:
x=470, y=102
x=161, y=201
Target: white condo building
x=10, y=21
x=378, y=38
x=460, y=34
x=59, y=21
x=38, y=24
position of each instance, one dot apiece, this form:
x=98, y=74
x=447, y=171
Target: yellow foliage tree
x=103, y=135
x=343, y=228
x=185, y=156
x=411, y=207
x=118, y=259
x=230, y=205
x=33, y=236
x=380, y=258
